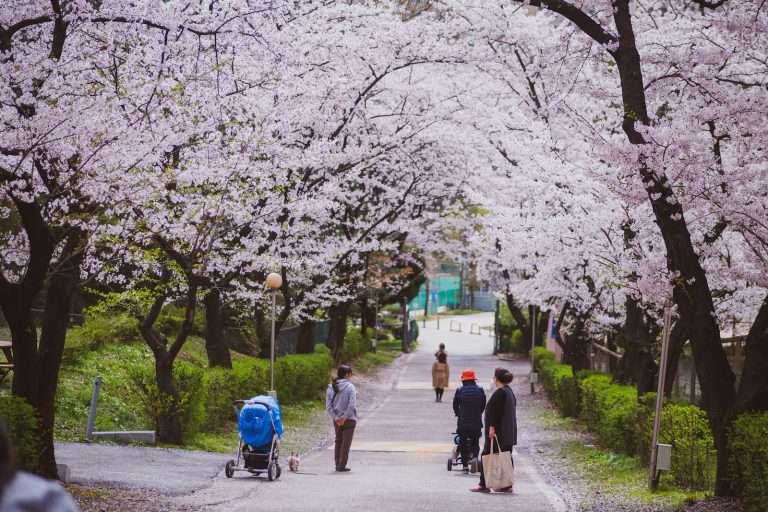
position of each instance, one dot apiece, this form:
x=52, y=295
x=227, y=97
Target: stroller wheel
x=279, y=471
x=450, y=465
x=229, y=469
x=272, y=471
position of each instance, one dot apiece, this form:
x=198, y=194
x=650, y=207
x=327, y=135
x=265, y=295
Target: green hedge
x=190, y=404
x=297, y=377
x=623, y=422
x=749, y=460
x=21, y=422
x=559, y=382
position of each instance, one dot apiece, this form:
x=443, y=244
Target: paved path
x=169, y=471
x=400, y=449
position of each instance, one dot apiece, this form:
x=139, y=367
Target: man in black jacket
x=468, y=404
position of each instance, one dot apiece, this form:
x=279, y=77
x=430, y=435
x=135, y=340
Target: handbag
x=497, y=467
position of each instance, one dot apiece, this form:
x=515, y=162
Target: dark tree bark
x=519, y=318
x=338, y=315
x=63, y=283
x=306, y=343
x=426, y=298
x=576, y=349
x=638, y=338
x=215, y=344
x=753, y=388
x=168, y=421
x=677, y=339
x=261, y=332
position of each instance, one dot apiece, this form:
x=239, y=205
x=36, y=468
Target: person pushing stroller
x=468, y=405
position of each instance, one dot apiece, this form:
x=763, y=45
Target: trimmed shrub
x=748, y=440
x=21, y=422
x=611, y=411
x=686, y=428
x=303, y=376
x=542, y=357
x=190, y=404
x=297, y=377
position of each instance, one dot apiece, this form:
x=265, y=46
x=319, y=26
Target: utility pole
x=653, y=477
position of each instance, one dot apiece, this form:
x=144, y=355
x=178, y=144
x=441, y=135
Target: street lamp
x=274, y=282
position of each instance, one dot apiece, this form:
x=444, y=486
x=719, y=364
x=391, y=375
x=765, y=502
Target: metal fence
x=288, y=338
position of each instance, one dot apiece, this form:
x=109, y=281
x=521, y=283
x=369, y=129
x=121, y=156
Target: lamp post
x=274, y=281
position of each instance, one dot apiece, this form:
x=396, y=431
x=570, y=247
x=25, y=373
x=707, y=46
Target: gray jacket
x=30, y=493
x=344, y=403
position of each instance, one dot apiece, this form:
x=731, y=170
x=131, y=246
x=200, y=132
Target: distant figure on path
x=440, y=350
x=341, y=404
x=22, y=492
x=469, y=404
x=440, y=376
x=500, y=421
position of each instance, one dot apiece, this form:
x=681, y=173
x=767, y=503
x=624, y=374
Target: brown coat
x=440, y=375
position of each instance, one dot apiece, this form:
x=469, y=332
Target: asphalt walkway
x=401, y=446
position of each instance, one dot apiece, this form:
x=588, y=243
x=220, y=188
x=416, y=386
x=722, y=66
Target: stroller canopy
x=259, y=419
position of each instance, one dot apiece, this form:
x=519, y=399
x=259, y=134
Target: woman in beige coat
x=440, y=376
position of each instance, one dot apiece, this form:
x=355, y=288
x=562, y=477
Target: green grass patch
x=619, y=474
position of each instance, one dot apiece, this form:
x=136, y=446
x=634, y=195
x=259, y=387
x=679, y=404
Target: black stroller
x=457, y=459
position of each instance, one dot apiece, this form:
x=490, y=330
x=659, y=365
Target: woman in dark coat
x=500, y=421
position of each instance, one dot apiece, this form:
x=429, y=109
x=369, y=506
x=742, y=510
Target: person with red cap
x=468, y=405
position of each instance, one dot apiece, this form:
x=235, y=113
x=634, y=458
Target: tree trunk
x=575, y=352
x=638, y=366
x=426, y=298
x=63, y=284
x=677, y=339
x=215, y=345
x=753, y=388
x=26, y=370
x=168, y=421
x=338, y=315
x=405, y=345
x=306, y=343
x=519, y=318
x=261, y=332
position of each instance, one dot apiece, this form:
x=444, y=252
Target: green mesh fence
x=444, y=291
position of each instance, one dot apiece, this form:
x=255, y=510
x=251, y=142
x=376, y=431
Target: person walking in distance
x=468, y=405
x=500, y=421
x=341, y=404
x=440, y=350
x=440, y=376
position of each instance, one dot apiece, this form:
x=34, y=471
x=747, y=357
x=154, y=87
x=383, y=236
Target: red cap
x=468, y=374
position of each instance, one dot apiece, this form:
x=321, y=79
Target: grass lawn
x=624, y=475
x=120, y=408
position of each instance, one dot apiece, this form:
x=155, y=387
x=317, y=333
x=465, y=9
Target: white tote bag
x=497, y=467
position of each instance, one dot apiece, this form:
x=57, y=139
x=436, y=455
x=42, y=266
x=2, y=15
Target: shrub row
x=749, y=460
x=624, y=423
x=21, y=422
x=206, y=396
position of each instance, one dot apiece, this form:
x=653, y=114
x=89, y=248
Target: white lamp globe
x=274, y=281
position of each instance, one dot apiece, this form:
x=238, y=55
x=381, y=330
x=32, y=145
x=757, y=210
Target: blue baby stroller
x=261, y=428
